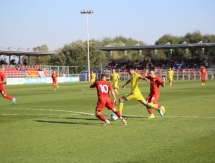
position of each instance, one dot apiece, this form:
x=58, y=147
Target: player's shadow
x=127, y=116
x=75, y=118
x=61, y=122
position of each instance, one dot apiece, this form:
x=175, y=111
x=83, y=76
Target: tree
x=43, y=60
x=194, y=37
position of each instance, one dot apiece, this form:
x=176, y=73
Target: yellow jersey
x=114, y=77
x=93, y=76
x=134, y=82
x=170, y=73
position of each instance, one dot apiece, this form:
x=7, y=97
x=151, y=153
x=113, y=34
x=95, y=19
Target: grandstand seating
x=14, y=73
x=32, y=69
x=176, y=64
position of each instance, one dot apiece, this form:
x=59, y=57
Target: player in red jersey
x=154, y=94
x=2, y=88
x=54, y=80
x=203, y=75
x=104, y=100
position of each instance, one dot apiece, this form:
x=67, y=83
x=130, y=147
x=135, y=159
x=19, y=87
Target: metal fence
x=68, y=71
x=178, y=75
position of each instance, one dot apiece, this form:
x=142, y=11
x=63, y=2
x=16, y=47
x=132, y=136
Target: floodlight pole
x=88, y=46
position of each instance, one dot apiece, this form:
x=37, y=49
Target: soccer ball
x=114, y=116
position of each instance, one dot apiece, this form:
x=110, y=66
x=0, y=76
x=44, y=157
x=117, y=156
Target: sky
x=29, y=23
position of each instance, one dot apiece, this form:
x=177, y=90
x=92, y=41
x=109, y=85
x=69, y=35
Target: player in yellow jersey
x=93, y=77
x=135, y=92
x=114, y=77
x=170, y=74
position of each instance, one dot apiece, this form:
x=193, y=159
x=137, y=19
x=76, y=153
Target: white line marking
x=90, y=114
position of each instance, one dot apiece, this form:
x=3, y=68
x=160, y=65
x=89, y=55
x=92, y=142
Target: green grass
x=48, y=126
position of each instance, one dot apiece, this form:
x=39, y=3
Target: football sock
x=118, y=114
x=204, y=81
x=154, y=106
x=150, y=111
x=8, y=97
x=120, y=107
x=101, y=117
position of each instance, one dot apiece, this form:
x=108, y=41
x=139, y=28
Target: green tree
x=43, y=60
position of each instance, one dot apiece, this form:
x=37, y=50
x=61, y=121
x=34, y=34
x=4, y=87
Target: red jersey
x=203, y=72
x=103, y=88
x=2, y=76
x=154, y=84
x=54, y=76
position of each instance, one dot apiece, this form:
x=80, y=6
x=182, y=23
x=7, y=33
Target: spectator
x=18, y=68
x=5, y=62
x=2, y=61
x=25, y=62
x=22, y=68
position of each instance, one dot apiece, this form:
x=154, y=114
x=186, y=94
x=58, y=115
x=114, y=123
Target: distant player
x=93, y=77
x=54, y=80
x=154, y=94
x=135, y=93
x=104, y=100
x=2, y=88
x=203, y=74
x=170, y=74
x=114, y=77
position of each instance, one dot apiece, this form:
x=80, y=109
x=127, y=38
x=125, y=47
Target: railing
x=64, y=71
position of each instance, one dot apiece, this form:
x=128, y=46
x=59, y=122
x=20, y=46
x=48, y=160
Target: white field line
x=84, y=113
x=51, y=110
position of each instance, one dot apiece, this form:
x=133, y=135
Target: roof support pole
x=109, y=55
x=28, y=60
x=202, y=53
x=9, y=60
x=124, y=54
x=170, y=54
x=139, y=53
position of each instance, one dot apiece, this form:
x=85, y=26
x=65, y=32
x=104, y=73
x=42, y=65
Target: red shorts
x=104, y=103
x=153, y=98
x=203, y=77
x=54, y=81
x=2, y=90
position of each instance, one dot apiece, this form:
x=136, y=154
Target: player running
x=135, y=92
x=154, y=94
x=170, y=74
x=114, y=77
x=104, y=100
x=203, y=74
x=54, y=80
x=2, y=89
x=93, y=77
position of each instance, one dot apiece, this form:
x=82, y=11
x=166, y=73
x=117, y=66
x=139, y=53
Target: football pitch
x=48, y=126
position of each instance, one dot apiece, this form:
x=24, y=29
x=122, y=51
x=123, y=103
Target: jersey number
x=104, y=88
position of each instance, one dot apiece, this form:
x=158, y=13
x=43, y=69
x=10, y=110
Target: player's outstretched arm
x=163, y=83
x=144, y=78
x=114, y=96
x=146, y=71
x=3, y=81
x=93, y=85
x=126, y=83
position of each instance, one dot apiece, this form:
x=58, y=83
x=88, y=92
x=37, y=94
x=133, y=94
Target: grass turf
x=59, y=126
